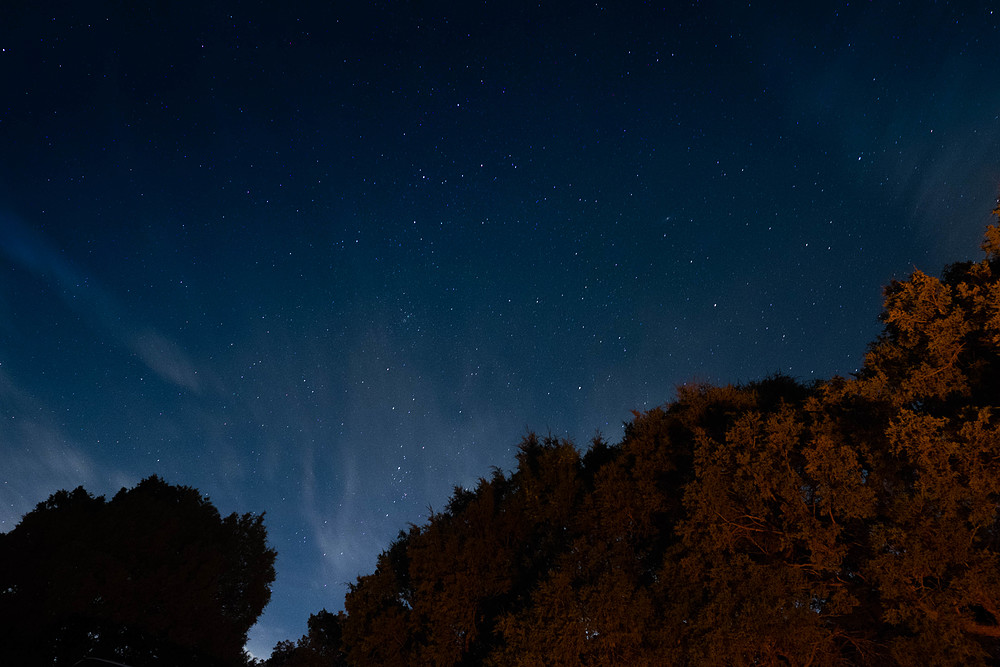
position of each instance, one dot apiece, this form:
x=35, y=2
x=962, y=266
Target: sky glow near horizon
x=329, y=264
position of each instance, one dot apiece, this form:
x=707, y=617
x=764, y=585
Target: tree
x=155, y=576
x=848, y=522
x=439, y=591
x=934, y=375
x=322, y=646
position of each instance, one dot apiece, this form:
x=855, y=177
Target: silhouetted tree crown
x=155, y=576
x=321, y=647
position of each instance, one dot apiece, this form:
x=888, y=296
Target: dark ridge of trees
x=321, y=647
x=847, y=522
x=155, y=576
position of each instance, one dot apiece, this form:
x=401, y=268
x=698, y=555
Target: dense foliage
x=154, y=577
x=849, y=522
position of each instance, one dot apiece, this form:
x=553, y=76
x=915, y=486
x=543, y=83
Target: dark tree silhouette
x=321, y=647
x=155, y=576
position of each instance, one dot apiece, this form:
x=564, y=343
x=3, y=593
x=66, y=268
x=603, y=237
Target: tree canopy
x=852, y=521
x=154, y=576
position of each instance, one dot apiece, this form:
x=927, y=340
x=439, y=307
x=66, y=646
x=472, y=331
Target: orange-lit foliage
x=850, y=522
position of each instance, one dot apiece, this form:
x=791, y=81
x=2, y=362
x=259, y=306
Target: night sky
x=329, y=263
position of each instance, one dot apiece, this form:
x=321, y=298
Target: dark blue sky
x=330, y=263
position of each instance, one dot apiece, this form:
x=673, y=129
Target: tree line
x=844, y=522
x=849, y=521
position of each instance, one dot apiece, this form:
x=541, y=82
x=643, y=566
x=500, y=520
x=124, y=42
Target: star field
x=329, y=263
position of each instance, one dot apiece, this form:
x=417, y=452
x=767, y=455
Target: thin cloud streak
x=102, y=310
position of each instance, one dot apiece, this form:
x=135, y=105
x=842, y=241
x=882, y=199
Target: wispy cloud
x=40, y=457
x=98, y=305
x=165, y=358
